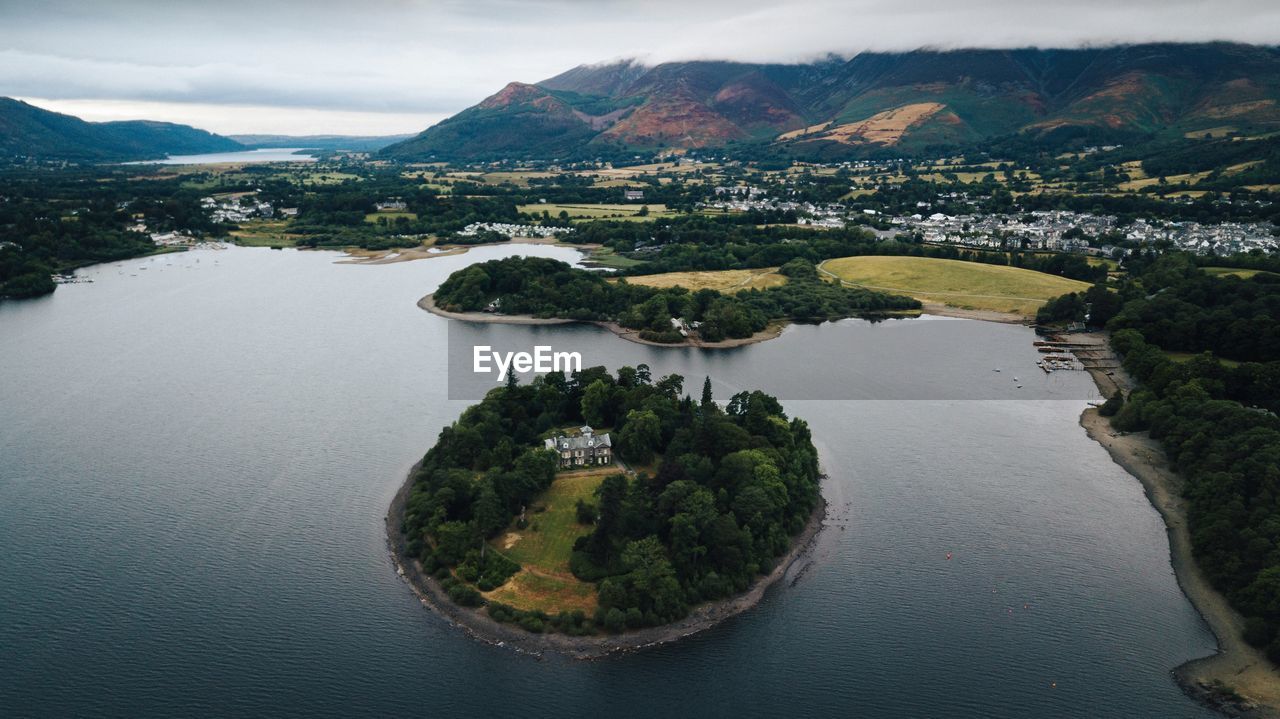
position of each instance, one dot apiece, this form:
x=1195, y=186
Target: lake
x=196, y=458
x=286, y=154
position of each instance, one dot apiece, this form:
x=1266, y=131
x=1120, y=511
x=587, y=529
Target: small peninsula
x=597, y=513
x=519, y=289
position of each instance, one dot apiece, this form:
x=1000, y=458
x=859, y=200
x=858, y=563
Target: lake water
x=286, y=154
x=195, y=461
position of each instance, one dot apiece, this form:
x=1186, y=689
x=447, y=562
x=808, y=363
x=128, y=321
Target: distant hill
x=27, y=131
x=351, y=143
x=898, y=103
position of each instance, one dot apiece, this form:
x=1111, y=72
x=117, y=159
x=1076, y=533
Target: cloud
x=412, y=58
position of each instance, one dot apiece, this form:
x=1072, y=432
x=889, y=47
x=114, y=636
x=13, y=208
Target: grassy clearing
x=548, y=540
x=1190, y=178
x=1232, y=272
x=1188, y=356
x=372, y=217
x=265, y=233
x=543, y=548
x=721, y=280
x=606, y=257
x=967, y=285
x=531, y=589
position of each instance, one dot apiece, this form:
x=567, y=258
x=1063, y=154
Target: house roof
x=586, y=441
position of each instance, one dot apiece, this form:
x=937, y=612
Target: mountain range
x=886, y=103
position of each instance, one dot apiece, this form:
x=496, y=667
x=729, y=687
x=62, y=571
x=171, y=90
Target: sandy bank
x=478, y=624
x=1010, y=318
x=1237, y=667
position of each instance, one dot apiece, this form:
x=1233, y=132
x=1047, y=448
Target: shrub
x=586, y=512
x=614, y=620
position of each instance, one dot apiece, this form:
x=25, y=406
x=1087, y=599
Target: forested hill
x=27, y=131
x=550, y=288
x=1216, y=419
x=892, y=104
x=732, y=486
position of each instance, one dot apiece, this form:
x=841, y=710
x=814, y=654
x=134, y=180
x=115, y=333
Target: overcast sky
x=392, y=66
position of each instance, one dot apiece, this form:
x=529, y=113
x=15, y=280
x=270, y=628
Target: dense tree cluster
x=1184, y=309
x=550, y=288
x=733, y=484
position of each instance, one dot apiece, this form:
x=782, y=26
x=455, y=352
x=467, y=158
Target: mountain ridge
x=871, y=102
x=28, y=131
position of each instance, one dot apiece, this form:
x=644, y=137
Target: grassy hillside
x=966, y=285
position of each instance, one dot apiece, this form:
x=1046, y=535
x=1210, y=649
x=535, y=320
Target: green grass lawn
x=548, y=540
x=372, y=217
x=264, y=233
x=606, y=257
x=1233, y=272
x=543, y=548
x=968, y=285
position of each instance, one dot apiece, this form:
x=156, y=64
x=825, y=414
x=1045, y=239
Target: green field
x=598, y=211
x=606, y=257
x=372, y=217
x=264, y=233
x=1232, y=272
x=967, y=285
x=542, y=549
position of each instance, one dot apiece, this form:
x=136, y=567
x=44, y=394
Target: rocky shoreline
x=479, y=625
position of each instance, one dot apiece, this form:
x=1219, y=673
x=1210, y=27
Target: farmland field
x=598, y=211
x=967, y=285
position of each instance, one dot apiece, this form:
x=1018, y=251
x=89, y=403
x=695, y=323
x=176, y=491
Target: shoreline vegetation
x=1188, y=366
x=477, y=624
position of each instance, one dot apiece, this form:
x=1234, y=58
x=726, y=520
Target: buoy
x=948, y=556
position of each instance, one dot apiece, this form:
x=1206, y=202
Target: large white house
x=584, y=450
